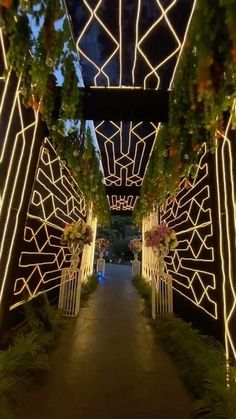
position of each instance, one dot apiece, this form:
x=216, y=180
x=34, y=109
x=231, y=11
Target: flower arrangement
x=102, y=244
x=161, y=238
x=135, y=245
x=77, y=233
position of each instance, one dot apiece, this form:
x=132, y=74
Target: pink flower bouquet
x=102, y=244
x=77, y=233
x=161, y=238
x=135, y=245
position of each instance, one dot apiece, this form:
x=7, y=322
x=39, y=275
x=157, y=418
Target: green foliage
x=203, y=93
x=117, y=229
x=45, y=319
x=83, y=161
x=118, y=222
x=202, y=366
x=162, y=176
x=36, y=54
x=88, y=287
x=23, y=357
x=121, y=246
x=201, y=362
x=26, y=355
x=41, y=45
x=144, y=289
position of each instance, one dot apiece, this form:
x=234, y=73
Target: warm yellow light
x=224, y=160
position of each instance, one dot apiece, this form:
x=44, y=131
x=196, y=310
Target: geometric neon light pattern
x=123, y=160
x=225, y=163
x=122, y=203
x=18, y=143
x=192, y=264
x=55, y=202
x=120, y=44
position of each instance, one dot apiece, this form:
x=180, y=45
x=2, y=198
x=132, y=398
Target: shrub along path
x=108, y=364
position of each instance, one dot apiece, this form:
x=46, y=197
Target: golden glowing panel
x=55, y=202
x=16, y=133
x=122, y=202
x=226, y=193
x=191, y=265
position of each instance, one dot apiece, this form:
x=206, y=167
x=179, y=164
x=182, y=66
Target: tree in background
x=119, y=234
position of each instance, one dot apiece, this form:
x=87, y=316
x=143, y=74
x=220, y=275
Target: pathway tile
x=108, y=364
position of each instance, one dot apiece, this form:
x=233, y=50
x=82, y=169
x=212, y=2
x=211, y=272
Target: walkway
x=108, y=365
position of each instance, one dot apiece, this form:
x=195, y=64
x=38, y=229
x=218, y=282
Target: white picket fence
x=71, y=279
x=154, y=272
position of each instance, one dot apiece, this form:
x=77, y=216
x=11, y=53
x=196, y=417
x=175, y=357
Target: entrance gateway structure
x=39, y=195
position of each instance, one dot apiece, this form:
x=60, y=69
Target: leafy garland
x=204, y=92
x=83, y=161
x=40, y=46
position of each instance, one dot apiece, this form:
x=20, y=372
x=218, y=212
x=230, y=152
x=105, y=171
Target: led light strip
x=191, y=216
x=225, y=173
x=10, y=185
x=164, y=15
x=122, y=202
x=183, y=43
x=193, y=202
x=93, y=15
x=51, y=208
x=124, y=163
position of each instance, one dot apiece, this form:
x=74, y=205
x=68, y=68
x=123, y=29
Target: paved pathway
x=108, y=365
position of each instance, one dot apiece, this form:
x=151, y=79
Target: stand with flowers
x=135, y=246
x=161, y=239
x=102, y=244
x=75, y=236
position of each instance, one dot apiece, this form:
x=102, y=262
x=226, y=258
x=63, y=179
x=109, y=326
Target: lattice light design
x=18, y=139
x=125, y=147
x=226, y=192
x=191, y=265
x=55, y=202
x=122, y=202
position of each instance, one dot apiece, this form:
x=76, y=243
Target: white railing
x=69, y=297
x=87, y=260
x=153, y=270
x=136, y=266
x=71, y=279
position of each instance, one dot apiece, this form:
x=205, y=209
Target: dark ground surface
x=108, y=364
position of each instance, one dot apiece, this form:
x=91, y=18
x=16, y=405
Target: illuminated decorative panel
x=192, y=264
x=136, y=44
x=55, y=202
x=123, y=163
x=19, y=145
x=225, y=163
x=122, y=203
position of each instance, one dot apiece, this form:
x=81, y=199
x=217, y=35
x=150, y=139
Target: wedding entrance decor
x=161, y=239
x=135, y=246
x=75, y=236
x=102, y=244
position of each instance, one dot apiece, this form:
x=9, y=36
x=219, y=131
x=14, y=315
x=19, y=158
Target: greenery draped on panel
x=42, y=52
x=202, y=97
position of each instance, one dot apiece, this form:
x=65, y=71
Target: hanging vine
x=203, y=93
x=40, y=47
